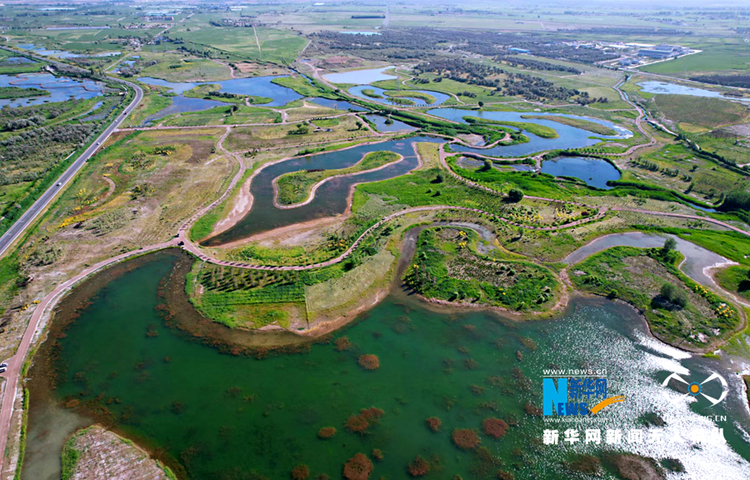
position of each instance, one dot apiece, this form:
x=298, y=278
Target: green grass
x=445, y=267
x=276, y=46
x=296, y=187
x=575, y=122
x=369, y=92
x=735, y=279
x=426, y=97
x=70, y=457
x=636, y=276
x=535, y=128
x=723, y=58
x=701, y=111
x=305, y=86
x=7, y=93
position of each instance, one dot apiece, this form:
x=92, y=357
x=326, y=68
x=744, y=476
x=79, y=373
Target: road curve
x=31, y=214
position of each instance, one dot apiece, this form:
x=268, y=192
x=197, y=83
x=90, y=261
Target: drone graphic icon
x=695, y=388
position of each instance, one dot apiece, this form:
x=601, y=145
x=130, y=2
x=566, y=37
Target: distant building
x=651, y=53
x=518, y=50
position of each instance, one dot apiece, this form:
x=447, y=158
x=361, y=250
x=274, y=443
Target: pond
x=256, y=87
x=224, y=416
x=360, y=77
x=568, y=137
x=62, y=53
x=357, y=92
x=60, y=88
x=337, y=104
x=183, y=104
x=654, y=86
x=330, y=199
x=594, y=171
x=394, y=126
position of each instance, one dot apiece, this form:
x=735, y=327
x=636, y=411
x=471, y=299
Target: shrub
x=515, y=195
x=377, y=454
x=361, y=423
x=433, y=423
x=674, y=295
x=369, y=362
x=465, y=438
x=300, y=472
x=359, y=467
x=326, y=432
x=342, y=344
x=418, y=467
x=494, y=427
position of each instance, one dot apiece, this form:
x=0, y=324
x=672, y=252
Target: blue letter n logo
x=554, y=396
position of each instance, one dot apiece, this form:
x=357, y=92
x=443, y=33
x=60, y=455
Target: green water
x=220, y=416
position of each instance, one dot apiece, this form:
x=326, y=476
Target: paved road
x=28, y=217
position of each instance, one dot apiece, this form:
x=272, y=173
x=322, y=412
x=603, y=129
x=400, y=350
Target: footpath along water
x=218, y=415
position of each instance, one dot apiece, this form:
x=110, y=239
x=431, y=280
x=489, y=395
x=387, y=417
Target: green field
x=713, y=59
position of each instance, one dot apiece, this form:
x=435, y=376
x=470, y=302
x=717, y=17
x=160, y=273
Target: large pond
x=357, y=92
x=223, y=416
x=360, y=77
x=256, y=87
x=568, y=137
x=594, y=171
x=654, y=86
x=60, y=88
x=330, y=199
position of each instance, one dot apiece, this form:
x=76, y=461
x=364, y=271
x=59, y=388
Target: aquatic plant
x=326, y=432
x=418, y=467
x=300, y=472
x=584, y=464
x=471, y=364
x=476, y=389
x=503, y=475
x=465, y=438
x=361, y=423
x=433, y=423
x=369, y=362
x=377, y=454
x=494, y=427
x=359, y=467
x=342, y=344
x=533, y=410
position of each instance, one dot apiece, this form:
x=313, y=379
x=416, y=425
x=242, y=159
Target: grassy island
x=297, y=187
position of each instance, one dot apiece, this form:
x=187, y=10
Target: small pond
x=337, y=104
x=395, y=125
x=594, y=171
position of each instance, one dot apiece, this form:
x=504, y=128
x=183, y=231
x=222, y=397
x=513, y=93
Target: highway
x=31, y=214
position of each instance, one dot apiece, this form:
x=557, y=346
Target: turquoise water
x=60, y=88
x=222, y=416
x=594, y=171
x=568, y=137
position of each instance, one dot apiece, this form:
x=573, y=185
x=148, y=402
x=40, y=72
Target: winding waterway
x=568, y=137
x=224, y=416
x=330, y=199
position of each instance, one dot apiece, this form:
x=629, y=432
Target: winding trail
x=36, y=322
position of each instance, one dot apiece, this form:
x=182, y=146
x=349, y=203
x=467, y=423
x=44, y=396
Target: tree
x=481, y=104
x=487, y=165
x=674, y=295
x=515, y=195
x=669, y=245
